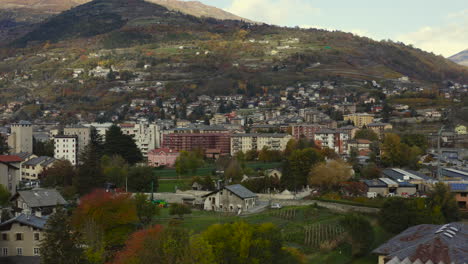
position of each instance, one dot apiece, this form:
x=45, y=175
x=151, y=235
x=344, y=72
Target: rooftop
x=436, y=243
x=241, y=191
x=10, y=158
x=41, y=197
x=31, y=220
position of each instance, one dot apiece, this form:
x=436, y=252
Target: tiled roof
x=436, y=243
x=39, y=160
x=31, y=220
x=42, y=197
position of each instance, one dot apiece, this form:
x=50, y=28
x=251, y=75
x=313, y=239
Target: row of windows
x=19, y=252
x=20, y=237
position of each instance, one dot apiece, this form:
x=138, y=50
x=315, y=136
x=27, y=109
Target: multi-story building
x=359, y=119
x=66, y=148
x=305, y=131
x=380, y=128
x=21, y=238
x=192, y=141
x=247, y=142
x=21, y=137
x=101, y=128
x=218, y=119
x=31, y=169
x=333, y=139
x=10, y=172
x=83, y=134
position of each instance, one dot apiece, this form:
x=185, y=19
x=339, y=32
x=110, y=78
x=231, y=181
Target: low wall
x=344, y=208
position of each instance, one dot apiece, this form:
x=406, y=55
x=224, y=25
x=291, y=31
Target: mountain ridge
x=460, y=58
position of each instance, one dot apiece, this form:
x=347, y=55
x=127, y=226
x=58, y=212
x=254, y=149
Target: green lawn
x=170, y=185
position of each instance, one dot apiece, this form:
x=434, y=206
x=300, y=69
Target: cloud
x=277, y=12
x=445, y=40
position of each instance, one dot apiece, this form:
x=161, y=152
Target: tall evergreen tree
x=61, y=244
x=90, y=174
x=119, y=144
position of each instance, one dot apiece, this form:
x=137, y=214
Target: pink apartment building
x=162, y=157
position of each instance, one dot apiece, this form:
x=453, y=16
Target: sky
x=438, y=26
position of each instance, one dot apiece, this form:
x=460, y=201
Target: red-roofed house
x=162, y=157
x=10, y=171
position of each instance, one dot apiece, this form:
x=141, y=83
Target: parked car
x=276, y=206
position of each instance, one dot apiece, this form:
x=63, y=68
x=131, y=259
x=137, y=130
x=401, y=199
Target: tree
x=4, y=196
x=329, y=175
x=61, y=244
x=43, y=148
x=179, y=209
x=4, y=148
x=418, y=140
x=233, y=172
x=251, y=155
x=115, y=170
x=119, y=144
x=366, y=133
x=61, y=174
x=359, y=233
x=441, y=196
x=89, y=175
x=239, y=242
x=188, y=162
x=297, y=167
x=371, y=171
x=105, y=220
x=142, y=179
x=391, y=148
x=145, y=209
x=267, y=155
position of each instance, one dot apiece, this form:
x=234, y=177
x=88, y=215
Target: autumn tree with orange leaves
x=105, y=220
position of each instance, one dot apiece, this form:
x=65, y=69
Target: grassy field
x=292, y=222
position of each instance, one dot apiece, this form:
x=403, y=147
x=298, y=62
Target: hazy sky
x=440, y=26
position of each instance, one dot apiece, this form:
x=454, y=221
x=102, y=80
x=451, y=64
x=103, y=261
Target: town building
x=233, y=198
x=423, y=244
x=66, y=148
x=305, y=131
x=82, y=133
x=359, y=145
x=461, y=194
x=332, y=139
x=387, y=187
x=10, y=172
x=21, y=137
x=359, y=119
x=380, y=128
x=162, y=157
x=423, y=182
x=193, y=141
x=31, y=169
x=247, y=142
x=147, y=136
x=20, y=239
x=38, y=202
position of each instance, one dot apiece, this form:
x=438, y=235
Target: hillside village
x=132, y=133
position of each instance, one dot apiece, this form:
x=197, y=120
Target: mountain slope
x=198, y=9
x=460, y=58
x=53, y=6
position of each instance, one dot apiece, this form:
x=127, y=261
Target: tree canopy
x=117, y=143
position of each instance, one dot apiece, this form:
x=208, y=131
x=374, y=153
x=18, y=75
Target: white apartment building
x=246, y=142
x=332, y=139
x=66, y=148
x=21, y=137
x=101, y=128
x=147, y=136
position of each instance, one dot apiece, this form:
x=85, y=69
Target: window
x=5, y=237
x=19, y=236
x=19, y=251
x=36, y=251
x=5, y=252
x=36, y=236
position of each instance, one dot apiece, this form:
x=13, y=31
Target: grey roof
x=454, y=173
x=275, y=135
x=395, y=175
x=31, y=220
x=240, y=191
x=375, y=183
x=42, y=197
x=24, y=122
x=23, y=155
x=437, y=243
x=39, y=160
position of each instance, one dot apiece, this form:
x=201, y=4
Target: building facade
x=82, y=133
x=10, y=172
x=359, y=119
x=162, y=157
x=191, y=141
x=21, y=137
x=66, y=148
x=247, y=142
